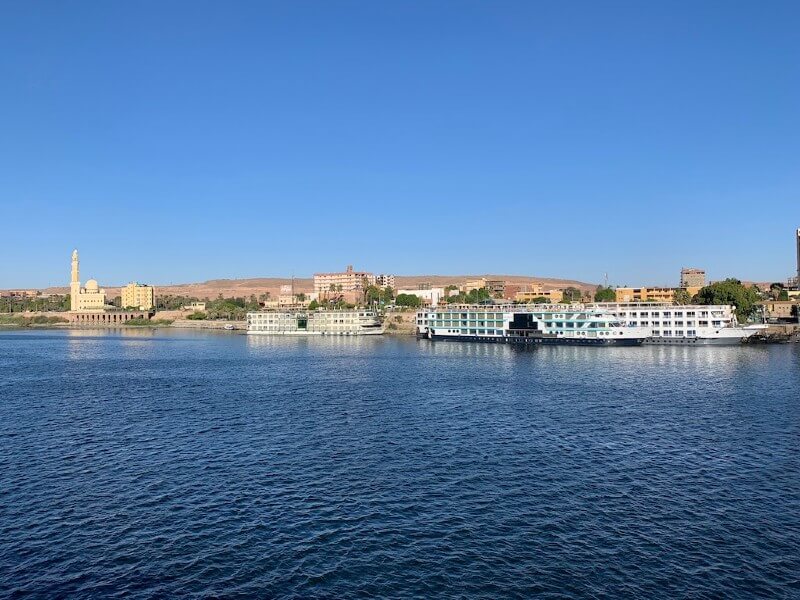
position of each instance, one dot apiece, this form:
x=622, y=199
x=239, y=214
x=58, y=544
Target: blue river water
x=158, y=464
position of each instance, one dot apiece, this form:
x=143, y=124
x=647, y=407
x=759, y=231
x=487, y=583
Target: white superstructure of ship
x=318, y=322
x=527, y=324
x=689, y=324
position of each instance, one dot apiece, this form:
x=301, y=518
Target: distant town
x=139, y=304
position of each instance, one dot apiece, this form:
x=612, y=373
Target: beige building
x=691, y=278
x=349, y=282
x=552, y=296
x=654, y=294
x=90, y=298
x=26, y=294
x=474, y=284
x=136, y=295
x=780, y=310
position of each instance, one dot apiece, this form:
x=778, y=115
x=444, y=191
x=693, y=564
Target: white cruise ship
x=321, y=322
x=534, y=324
x=674, y=324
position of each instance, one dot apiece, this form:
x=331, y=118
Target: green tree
x=387, y=295
x=604, y=294
x=313, y=305
x=409, y=300
x=372, y=294
x=572, y=294
x=479, y=295
x=681, y=296
x=731, y=291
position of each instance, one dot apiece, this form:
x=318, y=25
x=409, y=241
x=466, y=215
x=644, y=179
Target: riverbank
x=21, y=321
x=400, y=323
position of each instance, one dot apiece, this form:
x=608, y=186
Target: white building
x=430, y=297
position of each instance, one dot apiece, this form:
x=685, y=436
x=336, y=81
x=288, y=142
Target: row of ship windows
x=554, y=324
x=675, y=324
x=571, y=325
x=500, y=332
x=471, y=316
x=668, y=333
x=291, y=321
x=467, y=323
x=292, y=327
x=477, y=331
x=669, y=314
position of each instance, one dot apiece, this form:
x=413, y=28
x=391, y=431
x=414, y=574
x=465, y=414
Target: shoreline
x=207, y=327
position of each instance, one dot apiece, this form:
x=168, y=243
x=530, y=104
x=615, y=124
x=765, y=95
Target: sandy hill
x=257, y=286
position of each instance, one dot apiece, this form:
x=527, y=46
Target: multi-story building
x=474, y=284
x=286, y=295
x=383, y=281
x=347, y=282
x=653, y=294
x=691, y=278
x=136, y=295
x=496, y=287
x=552, y=296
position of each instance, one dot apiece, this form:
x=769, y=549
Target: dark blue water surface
x=161, y=464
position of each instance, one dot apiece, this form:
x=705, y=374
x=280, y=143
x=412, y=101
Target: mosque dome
x=91, y=285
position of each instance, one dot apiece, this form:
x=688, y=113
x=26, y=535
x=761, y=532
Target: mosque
x=88, y=304
x=90, y=298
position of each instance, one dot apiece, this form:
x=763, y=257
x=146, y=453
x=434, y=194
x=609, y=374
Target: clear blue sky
x=183, y=141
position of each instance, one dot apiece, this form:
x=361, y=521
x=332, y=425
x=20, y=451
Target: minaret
x=798, y=257
x=75, y=283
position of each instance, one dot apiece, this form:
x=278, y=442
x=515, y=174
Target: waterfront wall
x=105, y=319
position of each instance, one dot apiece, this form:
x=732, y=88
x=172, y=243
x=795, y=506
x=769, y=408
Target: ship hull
x=315, y=333
x=532, y=341
x=723, y=341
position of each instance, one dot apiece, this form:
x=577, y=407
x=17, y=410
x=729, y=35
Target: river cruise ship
x=674, y=324
x=534, y=324
x=321, y=322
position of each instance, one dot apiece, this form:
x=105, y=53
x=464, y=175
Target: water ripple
x=199, y=465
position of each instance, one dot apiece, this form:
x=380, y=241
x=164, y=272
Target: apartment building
x=347, y=281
